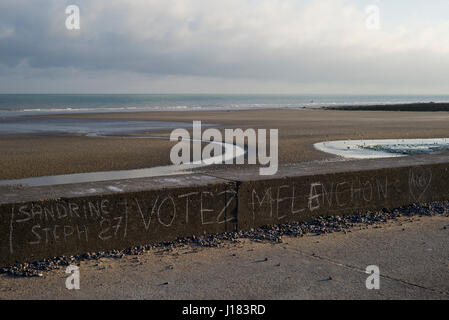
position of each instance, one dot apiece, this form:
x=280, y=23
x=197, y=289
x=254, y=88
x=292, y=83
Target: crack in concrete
x=361, y=270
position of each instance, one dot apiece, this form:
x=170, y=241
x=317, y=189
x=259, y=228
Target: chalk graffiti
x=52, y=222
x=61, y=222
x=419, y=181
x=85, y=222
x=318, y=195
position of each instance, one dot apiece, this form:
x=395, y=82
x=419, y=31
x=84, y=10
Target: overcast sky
x=224, y=46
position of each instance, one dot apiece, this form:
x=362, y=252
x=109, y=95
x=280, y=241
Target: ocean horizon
x=20, y=104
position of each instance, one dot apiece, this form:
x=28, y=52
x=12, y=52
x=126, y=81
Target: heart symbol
x=419, y=181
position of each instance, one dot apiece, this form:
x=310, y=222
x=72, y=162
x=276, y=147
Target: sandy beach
x=38, y=155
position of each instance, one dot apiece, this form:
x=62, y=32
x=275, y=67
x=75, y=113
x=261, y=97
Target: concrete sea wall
x=42, y=222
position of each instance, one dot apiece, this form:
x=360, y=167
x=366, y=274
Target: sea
x=71, y=103
x=17, y=110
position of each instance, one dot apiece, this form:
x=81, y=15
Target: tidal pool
x=383, y=148
x=230, y=152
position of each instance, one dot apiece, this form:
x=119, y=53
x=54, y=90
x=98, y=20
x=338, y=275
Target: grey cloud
x=108, y=43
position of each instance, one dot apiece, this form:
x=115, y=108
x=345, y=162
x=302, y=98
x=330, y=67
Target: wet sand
x=30, y=155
